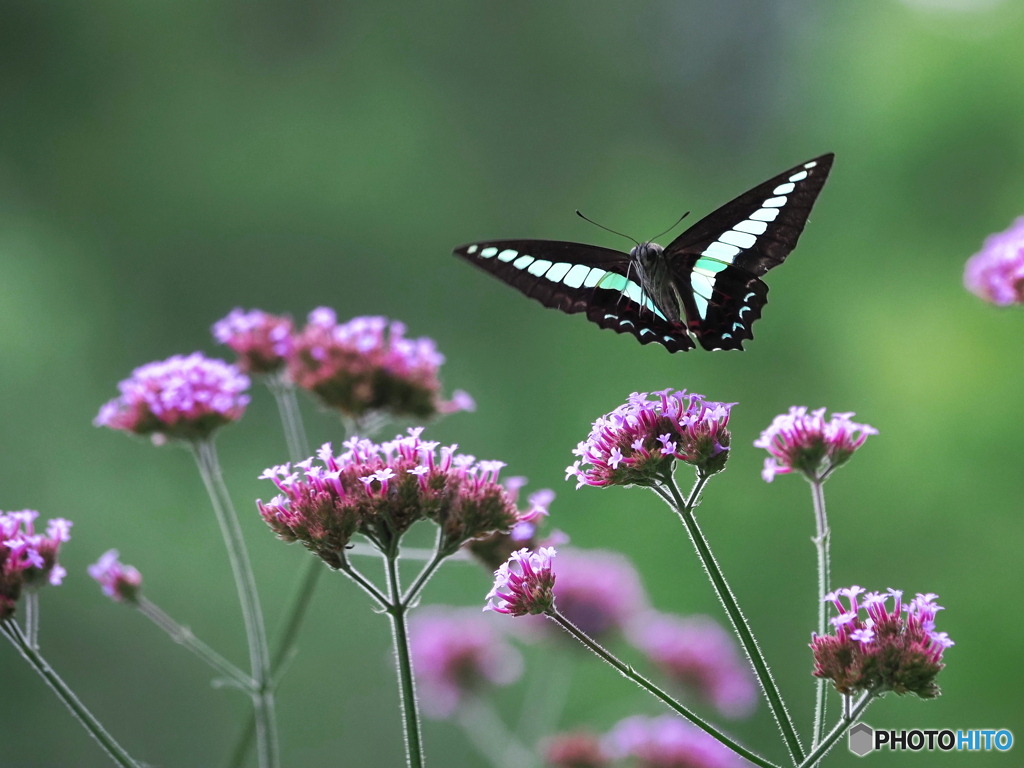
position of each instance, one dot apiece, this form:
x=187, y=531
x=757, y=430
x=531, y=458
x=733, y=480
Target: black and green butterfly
x=705, y=284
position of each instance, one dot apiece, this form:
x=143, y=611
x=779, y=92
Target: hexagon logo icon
x=862, y=739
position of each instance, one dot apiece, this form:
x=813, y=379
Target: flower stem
x=291, y=417
x=834, y=735
x=821, y=543
x=397, y=610
x=684, y=508
x=117, y=753
x=32, y=618
x=428, y=570
x=184, y=636
x=267, y=747
x=627, y=671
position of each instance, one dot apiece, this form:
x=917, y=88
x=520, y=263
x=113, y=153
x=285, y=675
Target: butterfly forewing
x=719, y=259
x=574, y=277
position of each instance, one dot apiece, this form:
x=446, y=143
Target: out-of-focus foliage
x=163, y=163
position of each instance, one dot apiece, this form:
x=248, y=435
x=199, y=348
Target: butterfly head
x=645, y=254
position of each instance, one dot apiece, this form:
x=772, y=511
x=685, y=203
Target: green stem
x=32, y=618
x=821, y=544
x=428, y=570
x=291, y=418
x=834, y=735
x=267, y=748
x=184, y=636
x=398, y=610
x=627, y=671
x=117, y=753
x=684, y=508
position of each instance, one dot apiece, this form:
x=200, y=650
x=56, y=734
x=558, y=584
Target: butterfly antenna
x=670, y=228
x=601, y=226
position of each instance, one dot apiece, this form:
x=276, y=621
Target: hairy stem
x=397, y=611
x=834, y=735
x=684, y=508
x=627, y=671
x=821, y=544
x=184, y=636
x=117, y=753
x=267, y=748
x=32, y=618
x=291, y=418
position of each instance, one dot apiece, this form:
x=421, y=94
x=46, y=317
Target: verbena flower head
x=381, y=490
x=575, y=749
x=597, y=590
x=667, y=741
x=180, y=398
x=458, y=653
x=367, y=366
x=701, y=655
x=262, y=341
x=524, y=585
x=876, y=649
x=494, y=549
x=638, y=442
x=804, y=442
x=122, y=583
x=996, y=273
x=28, y=559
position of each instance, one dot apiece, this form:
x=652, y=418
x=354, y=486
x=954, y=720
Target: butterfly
x=705, y=285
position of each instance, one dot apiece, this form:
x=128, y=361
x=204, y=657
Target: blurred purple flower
x=262, y=341
x=367, y=365
x=597, y=590
x=458, y=653
x=996, y=273
x=667, y=741
x=699, y=653
x=28, y=559
x=884, y=651
x=575, y=749
x=121, y=583
x=371, y=487
x=799, y=441
x=184, y=398
x=638, y=442
x=524, y=584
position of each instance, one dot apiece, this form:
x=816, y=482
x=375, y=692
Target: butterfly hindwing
x=721, y=257
x=574, y=277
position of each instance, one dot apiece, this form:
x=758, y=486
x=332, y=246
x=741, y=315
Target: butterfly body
x=704, y=285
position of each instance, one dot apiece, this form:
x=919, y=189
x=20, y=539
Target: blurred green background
x=161, y=163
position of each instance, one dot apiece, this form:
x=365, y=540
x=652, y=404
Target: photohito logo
x=864, y=739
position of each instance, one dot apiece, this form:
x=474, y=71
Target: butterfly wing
x=574, y=277
x=717, y=263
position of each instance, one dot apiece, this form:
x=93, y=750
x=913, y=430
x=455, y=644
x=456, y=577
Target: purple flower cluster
x=804, y=442
x=996, y=273
x=524, y=585
x=638, y=442
x=457, y=654
x=494, y=549
x=381, y=490
x=263, y=342
x=897, y=650
x=575, y=749
x=667, y=741
x=28, y=559
x=121, y=583
x=181, y=398
x=368, y=365
x=700, y=654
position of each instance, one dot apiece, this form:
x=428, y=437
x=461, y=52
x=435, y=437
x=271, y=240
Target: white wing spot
x=775, y=202
x=721, y=251
x=646, y=330
x=624, y=323
x=784, y=189
x=739, y=239
x=557, y=272
x=471, y=250
x=737, y=326
x=611, y=317
x=726, y=336
x=811, y=164
x=747, y=297
x=743, y=309
x=576, y=275
x=507, y=255
x=539, y=267
x=702, y=305
x=753, y=227
x=594, y=278
x=488, y=252
x=765, y=214
x=522, y=262
x=798, y=176
x=668, y=338
x=702, y=284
